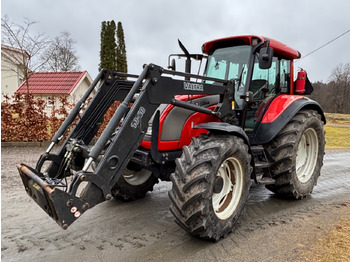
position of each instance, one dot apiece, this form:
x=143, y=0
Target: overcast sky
x=152, y=27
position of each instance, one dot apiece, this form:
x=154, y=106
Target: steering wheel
x=259, y=86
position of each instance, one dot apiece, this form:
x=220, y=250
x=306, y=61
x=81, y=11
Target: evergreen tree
x=108, y=52
x=122, y=64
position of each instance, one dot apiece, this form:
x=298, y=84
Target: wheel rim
x=307, y=155
x=226, y=201
x=136, y=178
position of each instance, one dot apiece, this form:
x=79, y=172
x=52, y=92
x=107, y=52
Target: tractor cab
x=261, y=68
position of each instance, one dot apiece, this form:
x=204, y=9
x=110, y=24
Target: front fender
x=233, y=130
x=225, y=127
x=279, y=113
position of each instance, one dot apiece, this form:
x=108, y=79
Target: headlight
x=149, y=130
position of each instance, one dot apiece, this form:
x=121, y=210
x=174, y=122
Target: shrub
x=24, y=119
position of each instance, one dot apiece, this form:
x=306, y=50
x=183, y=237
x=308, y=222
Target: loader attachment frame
x=69, y=186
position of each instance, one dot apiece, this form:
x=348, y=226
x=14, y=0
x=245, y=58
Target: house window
x=50, y=101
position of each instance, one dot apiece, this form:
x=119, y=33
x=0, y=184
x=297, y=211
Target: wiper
x=240, y=77
x=217, y=66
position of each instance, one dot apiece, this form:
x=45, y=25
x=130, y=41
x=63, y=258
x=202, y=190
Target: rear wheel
x=297, y=153
x=211, y=185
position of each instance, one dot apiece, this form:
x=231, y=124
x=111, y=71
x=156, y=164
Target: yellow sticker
x=233, y=105
x=35, y=185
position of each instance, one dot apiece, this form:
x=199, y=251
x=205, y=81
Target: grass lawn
x=337, y=131
x=337, y=136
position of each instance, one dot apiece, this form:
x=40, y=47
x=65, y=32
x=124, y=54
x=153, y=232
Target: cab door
x=265, y=84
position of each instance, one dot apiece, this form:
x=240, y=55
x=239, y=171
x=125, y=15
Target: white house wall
x=10, y=78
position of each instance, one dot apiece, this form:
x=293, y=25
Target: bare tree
x=334, y=95
x=319, y=95
x=61, y=54
x=28, y=46
x=340, y=86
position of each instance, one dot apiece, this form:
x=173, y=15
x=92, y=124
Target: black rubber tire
x=194, y=181
x=127, y=192
x=283, y=151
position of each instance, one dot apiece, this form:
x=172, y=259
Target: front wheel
x=211, y=185
x=134, y=184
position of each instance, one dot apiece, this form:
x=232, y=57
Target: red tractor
x=243, y=120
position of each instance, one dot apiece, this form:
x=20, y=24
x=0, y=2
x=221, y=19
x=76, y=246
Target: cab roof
x=280, y=49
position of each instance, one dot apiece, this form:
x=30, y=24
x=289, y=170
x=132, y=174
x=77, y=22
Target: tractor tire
x=134, y=184
x=297, y=153
x=211, y=185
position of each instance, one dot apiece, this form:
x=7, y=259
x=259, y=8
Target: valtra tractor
x=243, y=120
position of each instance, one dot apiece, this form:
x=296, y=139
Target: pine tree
x=122, y=64
x=108, y=51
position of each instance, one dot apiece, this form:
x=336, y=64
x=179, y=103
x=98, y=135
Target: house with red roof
x=49, y=86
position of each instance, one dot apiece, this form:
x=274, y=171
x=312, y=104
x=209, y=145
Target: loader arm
x=66, y=200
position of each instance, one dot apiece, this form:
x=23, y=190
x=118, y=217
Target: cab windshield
x=229, y=63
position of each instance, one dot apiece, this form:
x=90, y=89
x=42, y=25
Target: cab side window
x=264, y=81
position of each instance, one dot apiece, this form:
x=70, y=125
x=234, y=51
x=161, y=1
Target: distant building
x=49, y=86
x=12, y=60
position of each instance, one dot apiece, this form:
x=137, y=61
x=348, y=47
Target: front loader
x=243, y=120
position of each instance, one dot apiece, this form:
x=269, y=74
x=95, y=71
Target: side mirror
x=265, y=57
x=172, y=65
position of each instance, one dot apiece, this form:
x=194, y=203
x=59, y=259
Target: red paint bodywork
x=277, y=107
x=278, y=47
x=187, y=132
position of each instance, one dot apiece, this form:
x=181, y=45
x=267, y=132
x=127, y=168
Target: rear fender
x=279, y=113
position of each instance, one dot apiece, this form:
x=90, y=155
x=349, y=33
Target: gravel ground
x=270, y=229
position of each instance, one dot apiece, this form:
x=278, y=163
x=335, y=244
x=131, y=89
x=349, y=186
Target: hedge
x=23, y=118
